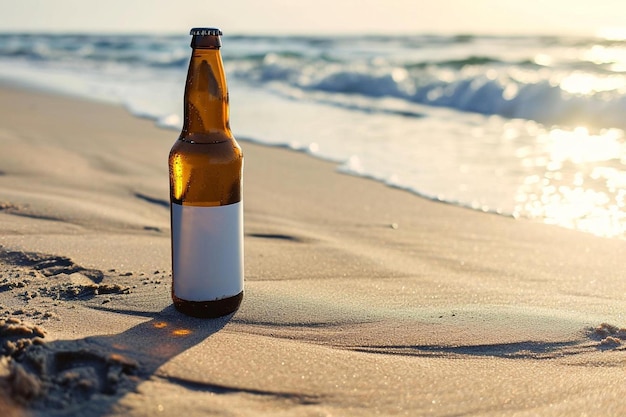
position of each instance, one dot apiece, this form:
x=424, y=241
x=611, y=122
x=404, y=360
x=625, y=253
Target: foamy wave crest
x=546, y=96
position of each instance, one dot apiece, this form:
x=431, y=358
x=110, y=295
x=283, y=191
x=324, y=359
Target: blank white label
x=207, y=251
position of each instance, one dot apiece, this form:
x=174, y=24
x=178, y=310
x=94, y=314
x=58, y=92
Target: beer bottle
x=205, y=169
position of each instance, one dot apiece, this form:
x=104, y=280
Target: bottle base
x=208, y=309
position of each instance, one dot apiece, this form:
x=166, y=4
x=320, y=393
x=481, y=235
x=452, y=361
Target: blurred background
x=508, y=107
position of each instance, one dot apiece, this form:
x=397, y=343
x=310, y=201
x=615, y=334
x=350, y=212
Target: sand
x=360, y=299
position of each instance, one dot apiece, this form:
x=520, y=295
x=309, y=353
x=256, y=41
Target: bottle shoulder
x=224, y=150
x=211, y=137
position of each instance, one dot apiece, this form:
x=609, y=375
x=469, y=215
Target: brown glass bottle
x=205, y=167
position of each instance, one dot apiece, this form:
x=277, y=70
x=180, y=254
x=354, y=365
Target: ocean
x=523, y=126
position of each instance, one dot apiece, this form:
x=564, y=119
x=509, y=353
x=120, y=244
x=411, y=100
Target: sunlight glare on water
x=586, y=84
x=583, y=185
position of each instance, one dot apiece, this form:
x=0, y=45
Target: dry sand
x=360, y=299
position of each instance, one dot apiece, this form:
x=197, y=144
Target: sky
x=571, y=17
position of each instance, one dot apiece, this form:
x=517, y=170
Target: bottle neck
x=206, y=110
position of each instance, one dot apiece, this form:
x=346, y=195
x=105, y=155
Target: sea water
x=523, y=126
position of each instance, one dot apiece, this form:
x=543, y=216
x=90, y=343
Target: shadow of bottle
x=88, y=376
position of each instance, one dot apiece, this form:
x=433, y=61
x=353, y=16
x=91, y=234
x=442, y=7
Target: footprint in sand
x=67, y=374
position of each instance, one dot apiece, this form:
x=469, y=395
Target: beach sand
x=360, y=299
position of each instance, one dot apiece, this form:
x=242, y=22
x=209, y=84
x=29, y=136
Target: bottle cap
x=205, y=32
x=206, y=38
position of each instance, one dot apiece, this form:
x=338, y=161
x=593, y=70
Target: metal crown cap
x=205, y=32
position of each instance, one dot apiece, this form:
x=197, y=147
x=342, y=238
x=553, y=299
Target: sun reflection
x=579, y=181
x=544, y=60
x=579, y=146
x=582, y=83
x=160, y=325
x=600, y=54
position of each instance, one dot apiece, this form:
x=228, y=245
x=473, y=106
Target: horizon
x=601, y=35
x=314, y=17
